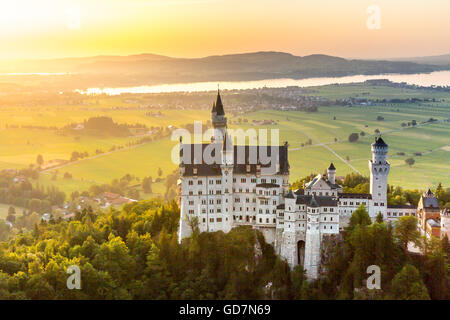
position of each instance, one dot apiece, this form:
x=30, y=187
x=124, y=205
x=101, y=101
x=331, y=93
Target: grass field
x=19, y=147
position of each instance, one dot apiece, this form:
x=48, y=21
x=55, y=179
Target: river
x=438, y=78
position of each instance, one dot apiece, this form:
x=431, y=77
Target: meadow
x=328, y=130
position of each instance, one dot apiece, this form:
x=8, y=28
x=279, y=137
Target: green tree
x=410, y=161
x=359, y=217
x=353, y=137
x=408, y=285
x=379, y=217
x=406, y=231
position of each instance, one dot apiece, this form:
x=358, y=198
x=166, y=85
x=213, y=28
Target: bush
x=353, y=137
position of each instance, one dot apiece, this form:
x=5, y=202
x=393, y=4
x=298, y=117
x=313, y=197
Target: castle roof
x=247, y=155
x=290, y=195
x=331, y=167
x=355, y=195
x=316, y=201
x=318, y=178
x=219, y=105
x=213, y=108
x=401, y=206
x=267, y=185
x=379, y=142
x=433, y=223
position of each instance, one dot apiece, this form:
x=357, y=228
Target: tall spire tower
x=379, y=170
x=219, y=121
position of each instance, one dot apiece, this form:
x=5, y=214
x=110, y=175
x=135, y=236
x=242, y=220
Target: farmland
x=328, y=129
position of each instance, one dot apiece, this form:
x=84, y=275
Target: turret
x=379, y=170
x=331, y=173
x=219, y=121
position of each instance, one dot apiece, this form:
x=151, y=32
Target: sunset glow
x=194, y=28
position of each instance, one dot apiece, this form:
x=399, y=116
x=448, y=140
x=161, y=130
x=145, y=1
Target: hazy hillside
x=443, y=60
x=150, y=68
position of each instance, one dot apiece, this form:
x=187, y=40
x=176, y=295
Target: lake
x=438, y=78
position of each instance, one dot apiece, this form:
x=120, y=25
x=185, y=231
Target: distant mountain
x=150, y=68
x=443, y=59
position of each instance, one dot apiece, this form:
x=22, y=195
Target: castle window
x=247, y=190
x=325, y=209
x=219, y=219
x=274, y=202
x=199, y=182
x=375, y=204
x=326, y=193
x=190, y=182
x=211, y=181
x=274, y=220
x=219, y=201
x=240, y=190
x=243, y=180
x=200, y=192
x=331, y=227
x=191, y=193
x=331, y=218
x=260, y=220
x=324, y=227
x=331, y=210
x=191, y=202
x=253, y=180
x=274, y=180
x=324, y=218
x=218, y=181
x=203, y=211
x=234, y=179
x=191, y=211
x=382, y=204
x=203, y=201
x=274, y=192
x=211, y=219
x=204, y=220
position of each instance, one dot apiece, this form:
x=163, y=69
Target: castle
x=237, y=188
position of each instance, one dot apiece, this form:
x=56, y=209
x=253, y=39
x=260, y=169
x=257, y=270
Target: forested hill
x=134, y=254
x=150, y=68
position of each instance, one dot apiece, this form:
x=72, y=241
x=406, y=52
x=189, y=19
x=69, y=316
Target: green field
x=20, y=146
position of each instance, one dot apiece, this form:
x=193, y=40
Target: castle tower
x=289, y=245
x=219, y=121
x=313, y=239
x=379, y=169
x=331, y=171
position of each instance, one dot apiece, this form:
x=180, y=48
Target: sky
x=31, y=29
